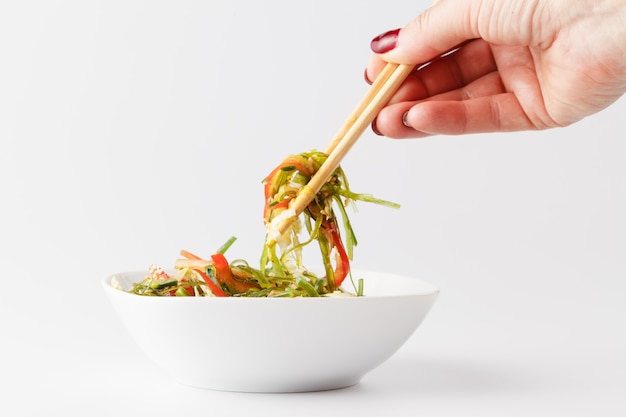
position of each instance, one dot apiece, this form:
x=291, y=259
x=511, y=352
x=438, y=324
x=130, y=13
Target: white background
x=132, y=129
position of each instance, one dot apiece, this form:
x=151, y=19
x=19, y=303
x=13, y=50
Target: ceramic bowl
x=274, y=344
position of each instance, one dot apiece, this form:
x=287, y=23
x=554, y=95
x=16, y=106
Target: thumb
x=441, y=28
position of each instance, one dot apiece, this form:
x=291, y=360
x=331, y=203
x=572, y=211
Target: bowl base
x=274, y=388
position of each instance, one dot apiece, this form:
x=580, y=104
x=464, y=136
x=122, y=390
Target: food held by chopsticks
x=282, y=272
x=302, y=196
x=387, y=82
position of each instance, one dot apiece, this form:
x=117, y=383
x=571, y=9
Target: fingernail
x=405, y=119
x=367, y=79
x=375, y=129
x=385, y=42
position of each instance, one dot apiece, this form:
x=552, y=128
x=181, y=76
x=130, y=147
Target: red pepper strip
x=217, y=291
x=268, y=210
x=224, y=275
x=343, y=263
x=298, y=163
x=222, y=268
x=209, y=282
x=271, y=188
x=188, y=289
x=269, y=182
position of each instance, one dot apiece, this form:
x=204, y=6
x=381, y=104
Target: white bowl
x=274, y=344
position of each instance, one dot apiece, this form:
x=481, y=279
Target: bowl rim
x=427, y=289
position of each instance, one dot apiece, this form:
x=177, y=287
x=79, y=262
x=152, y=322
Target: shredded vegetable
x=281, y=271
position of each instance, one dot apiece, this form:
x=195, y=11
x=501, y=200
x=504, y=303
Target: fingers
x=452, y=22
x=468, y=73
x=481, y=106
x=448, y=73
x=437, y=30
x=463, y=91
x=374, y=67
x=500, y=112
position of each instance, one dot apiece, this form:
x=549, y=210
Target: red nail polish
x=385, y=42
x=375, y=128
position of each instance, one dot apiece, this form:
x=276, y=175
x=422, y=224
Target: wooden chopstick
x=381, y=90
x=378, y=86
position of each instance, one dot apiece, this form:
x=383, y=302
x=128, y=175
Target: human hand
x=521, y=65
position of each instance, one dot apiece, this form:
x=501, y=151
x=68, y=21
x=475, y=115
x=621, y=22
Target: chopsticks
x=381, y=90
x=376, y=97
